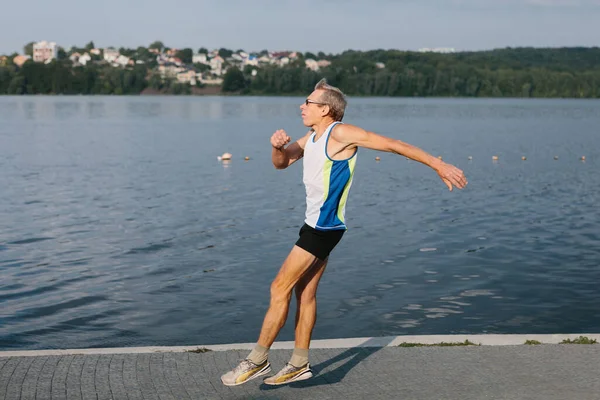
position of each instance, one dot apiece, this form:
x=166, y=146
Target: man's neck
x=321, y=127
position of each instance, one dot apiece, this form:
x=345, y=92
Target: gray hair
x=334, y=98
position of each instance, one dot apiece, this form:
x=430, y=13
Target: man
x=329, y=151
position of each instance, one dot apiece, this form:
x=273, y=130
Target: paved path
x=550, y=371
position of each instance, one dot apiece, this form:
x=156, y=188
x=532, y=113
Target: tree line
x=518, y=72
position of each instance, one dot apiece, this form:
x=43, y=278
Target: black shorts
x=318, y=243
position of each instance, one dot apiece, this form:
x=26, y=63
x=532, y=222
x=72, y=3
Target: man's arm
x=282, y=156
x=354, y=136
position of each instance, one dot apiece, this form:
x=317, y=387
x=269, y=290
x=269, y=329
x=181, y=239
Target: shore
x=492, y=367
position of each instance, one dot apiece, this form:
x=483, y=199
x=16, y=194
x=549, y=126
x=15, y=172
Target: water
x=119, y=226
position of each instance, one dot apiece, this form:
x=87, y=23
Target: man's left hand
x=452, y=176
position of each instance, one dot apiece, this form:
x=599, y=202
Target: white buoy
x=224, y=157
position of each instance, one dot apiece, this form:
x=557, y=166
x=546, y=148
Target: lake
x=120, y=227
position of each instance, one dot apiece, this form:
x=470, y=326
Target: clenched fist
x=280, y=139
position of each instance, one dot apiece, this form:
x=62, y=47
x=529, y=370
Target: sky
x=331, y=26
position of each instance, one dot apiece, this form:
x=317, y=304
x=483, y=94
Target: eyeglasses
x=308, y=101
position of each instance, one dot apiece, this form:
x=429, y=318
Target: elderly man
x=329, y=152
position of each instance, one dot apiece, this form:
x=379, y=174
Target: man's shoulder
x=343, y=132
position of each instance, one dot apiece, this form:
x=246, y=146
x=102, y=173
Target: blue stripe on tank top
x=340, y=174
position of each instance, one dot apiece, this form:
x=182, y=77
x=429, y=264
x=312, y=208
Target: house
x=45, y=51
x=283, y=61
x=199, y=58
x=121, y=60
x=216, y=65
x=110, y=54
x=3, y=60
x=20, y=60
x=380, y=65
x=252, y=60
x=188, y=76
x=96, y=52
x=172, y=52
x=208, y=80
x=169, y=71
x=311, y=64
x=280, y=54
x=84, y=59
x=323, y=63
x=175, y=60
x=74, y=57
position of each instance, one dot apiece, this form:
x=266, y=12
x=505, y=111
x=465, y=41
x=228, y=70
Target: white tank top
x=327, y=184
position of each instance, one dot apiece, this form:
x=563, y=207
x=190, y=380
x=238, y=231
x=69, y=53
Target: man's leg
x=298, y=262
x=306, y=296
x=306, y=315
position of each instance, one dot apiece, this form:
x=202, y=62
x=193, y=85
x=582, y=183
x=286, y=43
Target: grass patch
x=579, y=340
x=199, y=350
x=532, y=342
x=442, y=344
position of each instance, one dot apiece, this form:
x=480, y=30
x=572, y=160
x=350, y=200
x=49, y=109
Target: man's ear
x=327, y=109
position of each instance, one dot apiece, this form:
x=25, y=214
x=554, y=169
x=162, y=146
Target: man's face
x=313, y=109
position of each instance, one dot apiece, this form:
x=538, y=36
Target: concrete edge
x=385, y=341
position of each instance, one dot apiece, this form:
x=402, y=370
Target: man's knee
x=280, y=292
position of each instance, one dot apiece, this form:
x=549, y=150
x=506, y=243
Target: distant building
x=188, y=76
x=74, y=57
x=216, y=65
x=380, y=65
x=110, y=54
x=283, y=61
x=169, y=71
x=251, y=60
x=122, y=60
x=20, y=60
x=437, y=50
x=199, y=58
x=311, y=64
x=84, y=59
x=44, y=51
x=3, y=60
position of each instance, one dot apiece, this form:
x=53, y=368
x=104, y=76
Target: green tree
x=202, y=50
x=158, y=45
x=61, y=54
x=186, y=55
x=225, y=53
x=90, y=46
x=234, y=80
x=28, y=49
